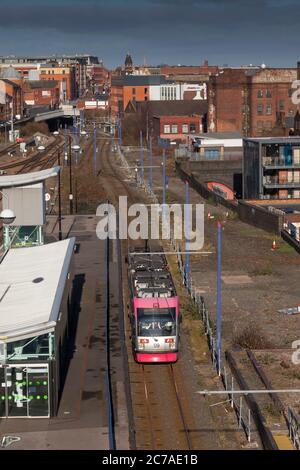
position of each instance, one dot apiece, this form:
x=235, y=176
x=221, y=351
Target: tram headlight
x=170, y=342
x=143, y=342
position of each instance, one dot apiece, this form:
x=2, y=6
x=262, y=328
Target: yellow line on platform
x=283, y=442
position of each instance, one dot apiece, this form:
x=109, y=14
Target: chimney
x=298, y=70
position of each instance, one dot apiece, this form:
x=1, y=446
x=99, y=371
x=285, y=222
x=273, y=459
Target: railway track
x=161, y=415
x=38, y=161
x=150, y=434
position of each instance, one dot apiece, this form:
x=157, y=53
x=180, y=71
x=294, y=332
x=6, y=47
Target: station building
x=35, y=314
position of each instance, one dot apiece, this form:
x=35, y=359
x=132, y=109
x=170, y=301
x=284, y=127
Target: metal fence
x=294, y=428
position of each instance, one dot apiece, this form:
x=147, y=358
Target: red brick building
x=205, y=69
x=255, y=102
x=177, y=127
x=173, y=120
x=42, y=92
x=11, y=94
x=98, y=78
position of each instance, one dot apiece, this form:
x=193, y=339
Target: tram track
x=157, y=392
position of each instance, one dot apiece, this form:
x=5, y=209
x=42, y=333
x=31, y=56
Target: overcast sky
x=230, y=32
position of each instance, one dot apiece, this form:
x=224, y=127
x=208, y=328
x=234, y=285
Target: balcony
x=272, y=163
x=276, y=182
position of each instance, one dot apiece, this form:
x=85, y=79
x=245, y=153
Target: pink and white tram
x=155, y=317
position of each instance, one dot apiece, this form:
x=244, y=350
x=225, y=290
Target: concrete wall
x=257, y=216
x=222, y=171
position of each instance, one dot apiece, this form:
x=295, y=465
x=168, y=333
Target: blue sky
x=231, y=32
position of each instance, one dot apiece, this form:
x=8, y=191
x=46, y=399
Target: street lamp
x=55, y=133
x=76, y=148
x=7, y=215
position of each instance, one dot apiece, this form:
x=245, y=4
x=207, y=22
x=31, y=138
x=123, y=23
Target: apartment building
x=271, y=168
x=64, y=75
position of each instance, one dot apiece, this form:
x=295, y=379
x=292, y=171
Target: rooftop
x=274, y=140
x=31, y=288
x=25, y=179
x=42, y=83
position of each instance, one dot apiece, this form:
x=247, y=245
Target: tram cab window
x=156, y=322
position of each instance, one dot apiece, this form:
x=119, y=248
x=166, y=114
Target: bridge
x=66, y=111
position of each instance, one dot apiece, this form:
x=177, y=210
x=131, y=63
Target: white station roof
x=11, y=181
x=32, y=283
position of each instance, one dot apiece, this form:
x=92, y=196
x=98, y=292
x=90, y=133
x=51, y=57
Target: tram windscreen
x=156, y=322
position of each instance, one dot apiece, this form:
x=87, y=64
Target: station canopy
x=32, y=283
x=13, y=181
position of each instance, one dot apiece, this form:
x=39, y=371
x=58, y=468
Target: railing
x=279, y=181
x=278, y=161
x=294, y=428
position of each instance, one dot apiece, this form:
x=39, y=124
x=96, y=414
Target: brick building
x=64, y=75
x=11, y=94
x=173, y=120
x=253, y=101
x=98, y=78
x=42, y=93
x=131, y=88
x=171, y=71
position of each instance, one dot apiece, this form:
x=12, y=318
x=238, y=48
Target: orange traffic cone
x=273, y=245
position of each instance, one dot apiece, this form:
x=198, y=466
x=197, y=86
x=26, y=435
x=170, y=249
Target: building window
x=174, y=129
x=260, y=94
x=192, y=128
x=268, y=94
x=185, y=128
x=211, y=153
x=146, y=98
x=290, y=92
x=166, y=129
x=146, y=91
x=281, y=105
x=260, y=109
x=269, y=109
x=260, y=125
x=268, y=125
x=133, y=91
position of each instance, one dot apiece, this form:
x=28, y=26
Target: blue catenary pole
x=187, y=234
x=95, y=148
x=219, y=304
x=141, y=156
x=150, y=169
x=65, y=144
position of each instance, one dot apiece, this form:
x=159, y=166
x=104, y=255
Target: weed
x=251, y=338
x=284, y=365
x=263, y=271
x=272, y=410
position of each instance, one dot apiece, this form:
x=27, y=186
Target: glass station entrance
x=24, y=391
